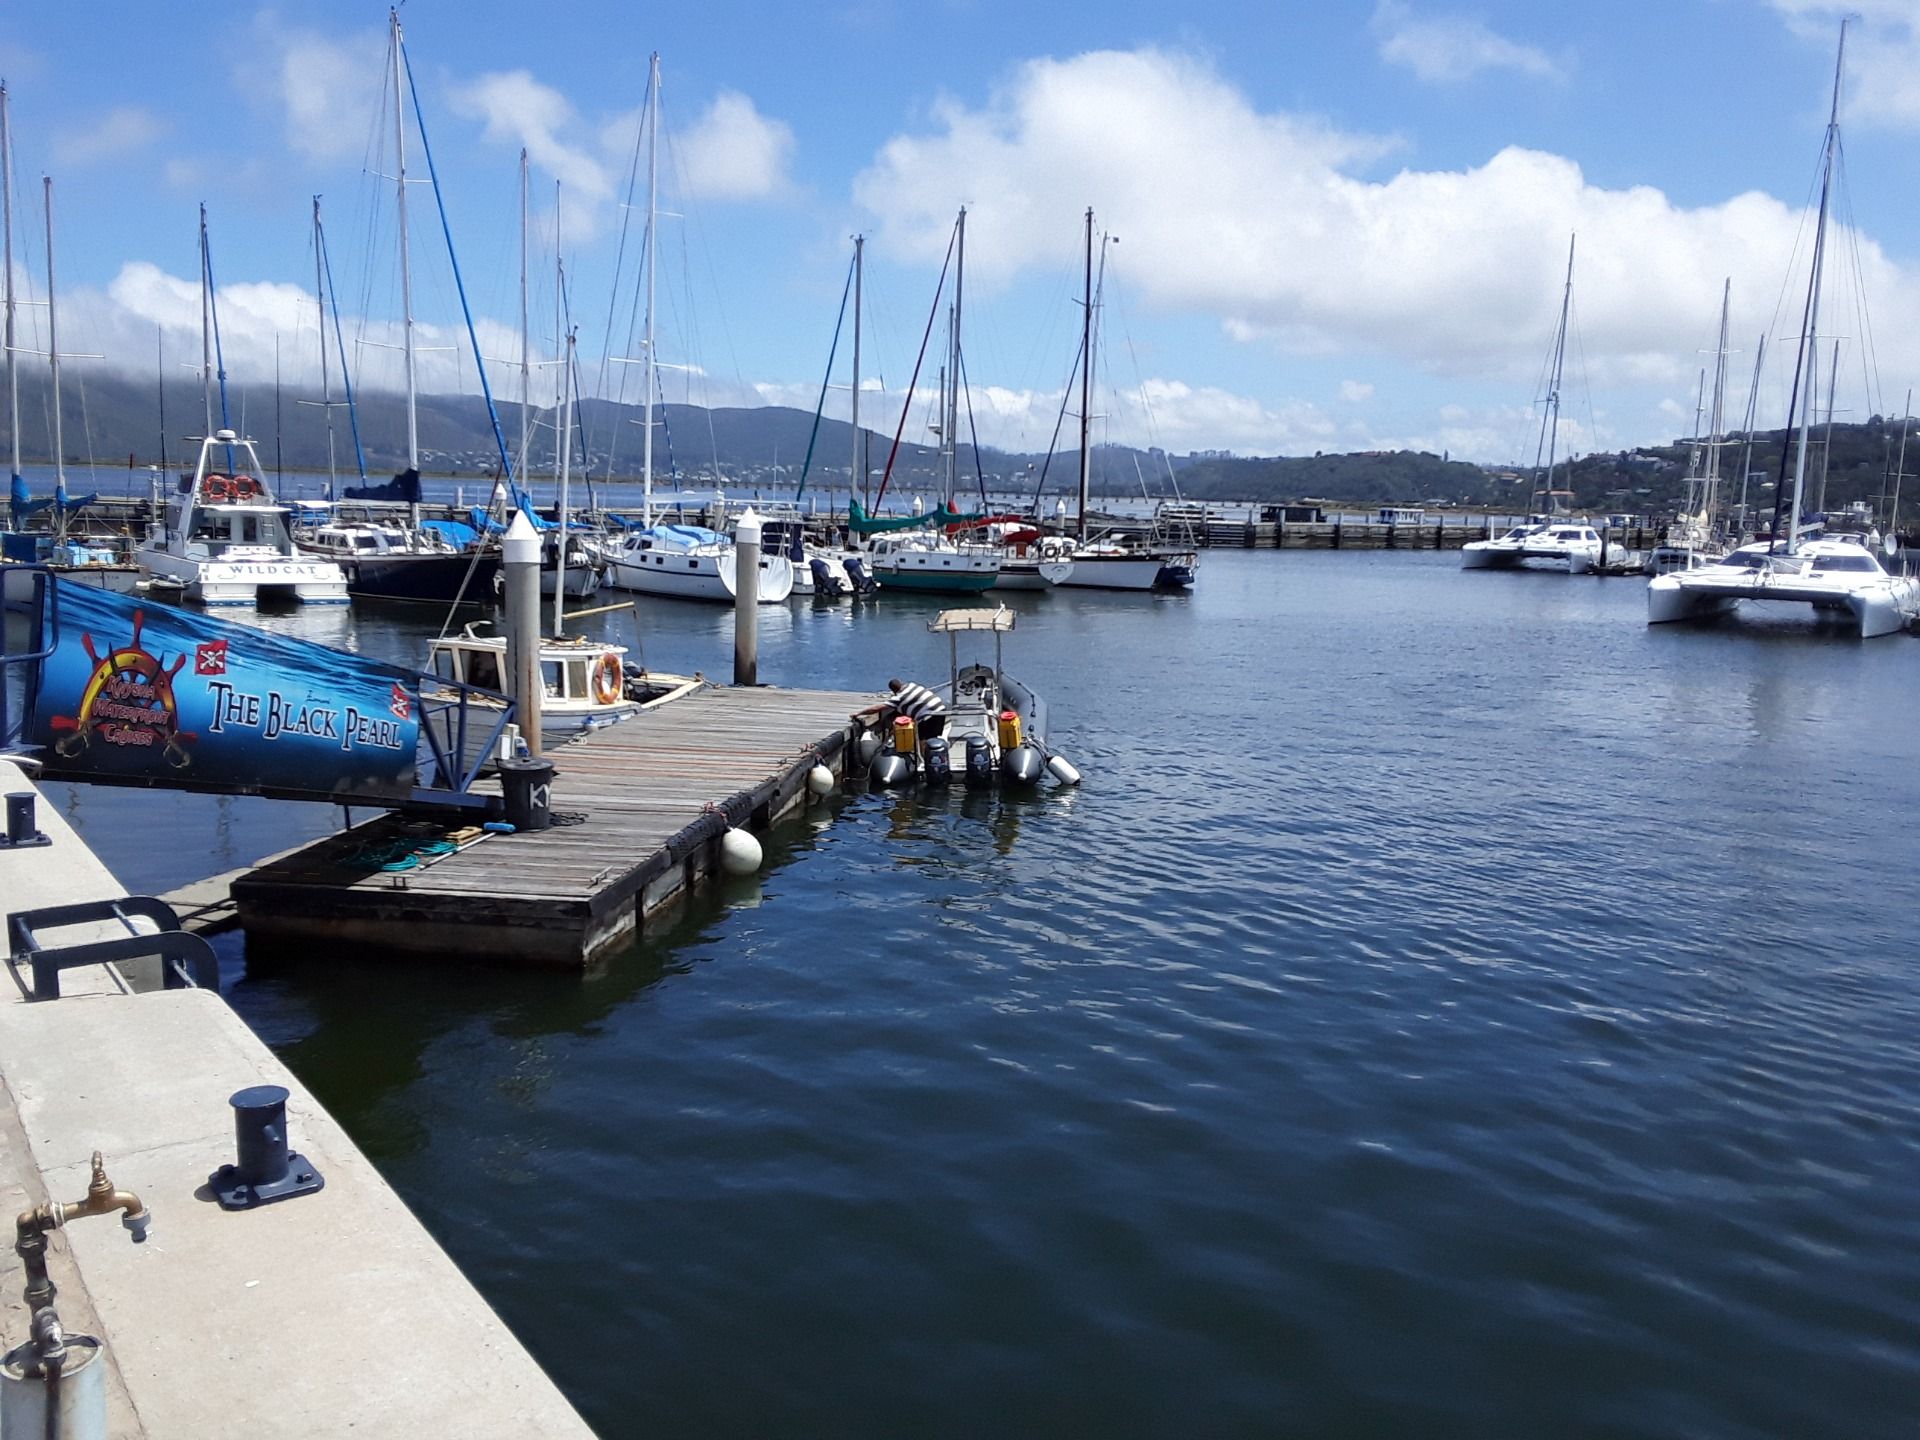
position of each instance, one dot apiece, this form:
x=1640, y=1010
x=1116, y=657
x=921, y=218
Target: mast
x=53, y=362
x=6, y=205
x=653, y=212
x=1709, y=491
x=1551, y=420
x=559, y=332
x=857, y=472
x=1899, y=469
x=160, y=361
x=953, y=377
x=326, y=386
x=526, y=359
x=1086, y=381
x=1811, y=333
x=1753, y=406
x=206, y=323
x=563, y=437
x=1826, y=443
x=406, y=267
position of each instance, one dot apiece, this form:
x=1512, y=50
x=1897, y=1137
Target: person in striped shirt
x=926, y=709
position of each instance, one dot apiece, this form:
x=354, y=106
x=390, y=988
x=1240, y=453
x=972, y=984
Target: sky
x=1335, y=226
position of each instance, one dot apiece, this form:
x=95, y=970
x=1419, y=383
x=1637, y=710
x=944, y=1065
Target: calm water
x=1448, y=1008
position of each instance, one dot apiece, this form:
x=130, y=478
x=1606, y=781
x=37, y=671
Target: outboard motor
x=936, y=763
x=856, y=568
x=1022, y=765
x=891, y=768
x=979, y=761
x=825, y=582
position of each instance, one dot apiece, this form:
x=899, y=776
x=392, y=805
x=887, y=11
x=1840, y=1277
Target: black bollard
x=267, y=1170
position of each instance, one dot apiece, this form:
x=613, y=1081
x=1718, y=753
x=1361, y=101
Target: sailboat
x=1550, y=534
x=222, y=538
x=382, y=559
x=915, y=553
x=682, y=562
x=1694, y=538
x=1110, y=562
x=1836, y=575
x=72, y=557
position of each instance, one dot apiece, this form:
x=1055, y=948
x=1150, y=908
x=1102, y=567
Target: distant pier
x=641, y=807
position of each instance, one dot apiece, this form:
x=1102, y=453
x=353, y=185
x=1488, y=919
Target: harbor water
x=1448, y=1008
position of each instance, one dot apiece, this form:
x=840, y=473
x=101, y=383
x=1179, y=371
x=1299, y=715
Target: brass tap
x=32, y=1227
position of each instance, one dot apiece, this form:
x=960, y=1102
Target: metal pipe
x=520, y=552
x=746, y=599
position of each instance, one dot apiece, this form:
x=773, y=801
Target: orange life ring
x=245, y=487
x=607, y=678
x=217, y=488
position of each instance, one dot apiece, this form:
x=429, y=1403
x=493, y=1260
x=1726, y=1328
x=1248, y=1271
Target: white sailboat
x=1552, y=537
x=1111, y=562
x=221, y=537
x=681, y=562
x=1836, y=575
x=1694, y=537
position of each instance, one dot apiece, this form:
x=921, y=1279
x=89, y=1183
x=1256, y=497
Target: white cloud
x=119, y=131
x=733, y=152
x=329, y=89
x=518, y=110
x=1354, y=392
x=1445, y=49
x=1259, y=221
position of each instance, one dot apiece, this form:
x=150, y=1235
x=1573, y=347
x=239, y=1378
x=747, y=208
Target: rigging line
x=340, y=344
x=1059, y=423
x=972, y=434
x=499, y=435
x=932, y=315
x=806, y=465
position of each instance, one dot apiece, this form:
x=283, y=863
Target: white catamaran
x=1836, y=575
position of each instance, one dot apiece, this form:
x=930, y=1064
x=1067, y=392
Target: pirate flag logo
x=128, y=701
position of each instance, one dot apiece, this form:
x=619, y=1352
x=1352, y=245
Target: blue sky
x=1341, y=226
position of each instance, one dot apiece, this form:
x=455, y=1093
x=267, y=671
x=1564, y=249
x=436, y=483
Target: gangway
x=119, y=690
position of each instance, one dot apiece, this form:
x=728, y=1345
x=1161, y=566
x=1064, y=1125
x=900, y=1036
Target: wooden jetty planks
x=642, y=805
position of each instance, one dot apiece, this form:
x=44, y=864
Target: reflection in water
x=1457, y=973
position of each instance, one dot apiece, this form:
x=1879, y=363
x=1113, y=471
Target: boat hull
x=439, y=579
x=708, y=577
x=227, y=582
x=936, y=582
x=1146, y=571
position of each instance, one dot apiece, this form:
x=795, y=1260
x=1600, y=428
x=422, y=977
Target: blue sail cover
x=142, y=694
x=63, y=501
x=404, y=487
x=20, y=501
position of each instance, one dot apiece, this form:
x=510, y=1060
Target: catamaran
x=1836, y=575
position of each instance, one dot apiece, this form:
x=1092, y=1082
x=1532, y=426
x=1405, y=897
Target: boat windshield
x=1856, y=563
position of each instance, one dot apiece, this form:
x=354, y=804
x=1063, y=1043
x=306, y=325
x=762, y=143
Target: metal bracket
x=186, y=960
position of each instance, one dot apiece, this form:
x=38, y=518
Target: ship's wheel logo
x=128, y=701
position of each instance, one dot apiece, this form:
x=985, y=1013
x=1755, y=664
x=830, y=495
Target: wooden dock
x=641, y=804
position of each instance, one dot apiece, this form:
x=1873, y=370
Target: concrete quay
x=332, y=1313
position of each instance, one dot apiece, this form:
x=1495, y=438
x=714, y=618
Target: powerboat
x=994, y=727
x=586, y=683
x=1836, y=575
x=1568, y=544
x=223, y=539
